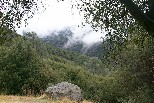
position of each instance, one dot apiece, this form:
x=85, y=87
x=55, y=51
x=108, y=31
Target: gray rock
x=65, y=89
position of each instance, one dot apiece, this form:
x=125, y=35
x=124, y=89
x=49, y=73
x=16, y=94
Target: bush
x=21, y=69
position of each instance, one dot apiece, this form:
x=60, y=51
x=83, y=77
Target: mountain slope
x=47, y=50
x=64, y=39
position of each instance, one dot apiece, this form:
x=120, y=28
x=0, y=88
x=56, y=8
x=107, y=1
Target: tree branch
x=144, y=20
x=151, y=9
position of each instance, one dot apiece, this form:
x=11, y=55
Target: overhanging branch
x=143, y=19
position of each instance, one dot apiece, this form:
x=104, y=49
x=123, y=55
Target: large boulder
x=65, y=89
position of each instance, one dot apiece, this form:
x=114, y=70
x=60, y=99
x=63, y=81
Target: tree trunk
x=146, y=20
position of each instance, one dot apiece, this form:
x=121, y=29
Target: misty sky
x=57, y=16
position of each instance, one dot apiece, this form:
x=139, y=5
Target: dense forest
x=64, y=39
x=32, y=65
x=123, y=74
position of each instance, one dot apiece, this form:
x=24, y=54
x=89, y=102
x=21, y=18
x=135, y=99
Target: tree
x=12, y=12
x=119, y=17
x=22, y=71
x=37, y=44
x=127, y=20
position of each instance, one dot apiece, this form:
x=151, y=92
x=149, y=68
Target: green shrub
x=21, y=69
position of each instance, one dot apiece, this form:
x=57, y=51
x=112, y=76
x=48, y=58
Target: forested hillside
x=64, y=39
x=124, y=74
x=25, y=58
x=47, y=50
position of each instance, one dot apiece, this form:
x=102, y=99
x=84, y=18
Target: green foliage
x=6, y=35
x=37, y=44
x=32, y=65
x=92, y=64
x=27, y=65
x=46, y=50
x=21, y=69
x=61, y=39
x=117, y=16
x=137, y=60
x=13, y=12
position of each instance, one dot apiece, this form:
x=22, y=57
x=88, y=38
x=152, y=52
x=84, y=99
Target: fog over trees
x=120, y=69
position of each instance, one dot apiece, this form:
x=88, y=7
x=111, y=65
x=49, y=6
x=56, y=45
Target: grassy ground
x=31, y=99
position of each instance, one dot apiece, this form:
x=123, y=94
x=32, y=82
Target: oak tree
x=119, y=17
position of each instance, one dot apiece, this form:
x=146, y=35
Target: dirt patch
x=31, y=99
x=21, y=99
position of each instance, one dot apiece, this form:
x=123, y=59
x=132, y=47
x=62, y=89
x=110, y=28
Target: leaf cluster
x=12, y=12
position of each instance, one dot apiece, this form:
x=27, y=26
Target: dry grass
x=31, y=99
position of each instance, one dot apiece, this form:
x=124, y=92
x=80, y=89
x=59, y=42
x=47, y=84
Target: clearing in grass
x=31, y=99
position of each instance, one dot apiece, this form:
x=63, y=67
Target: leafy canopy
x=119, y=17
x=12, y=12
